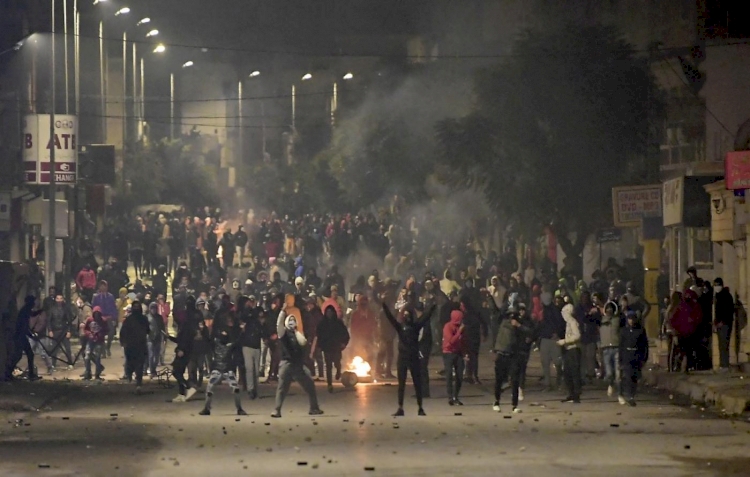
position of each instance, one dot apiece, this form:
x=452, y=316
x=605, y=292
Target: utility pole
x=51, y=233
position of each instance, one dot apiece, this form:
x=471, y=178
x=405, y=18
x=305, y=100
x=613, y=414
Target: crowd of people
x=245, y=305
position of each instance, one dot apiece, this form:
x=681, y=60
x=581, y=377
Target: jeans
x=724, y=333
x=111, y=331
x=154, y=353
x=264, y=358
x=611, y=363
x=251, y=356
x=38, y=349
x=93, y=352
x=60, y=341
x=289, y=372
x=550, y=354
x=454, y=363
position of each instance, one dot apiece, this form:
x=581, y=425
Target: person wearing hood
x=509, y=356
x=453, y=355
x=408, y=331
x=21, y=343
x=292, y=366
x=475, y=332
x=240, y=242
x=225, y=337
x=685, y=323
x=313, y=316
x=633, y=355
x=588, y=317
x=549, y=330
x=571, y=346
x=227, y=249
x=331, y=337
x=95, y=331
x=609, y=344
x=447, y=284
x=86, y=281
x=252, y=334
x=134, y=337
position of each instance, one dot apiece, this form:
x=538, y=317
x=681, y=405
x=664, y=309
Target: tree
x=554, y=127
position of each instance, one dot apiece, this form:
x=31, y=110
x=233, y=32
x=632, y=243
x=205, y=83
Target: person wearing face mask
x=723, y=320
x=549, y=330
x=292, y=367
x=408, y=351
x=571, y=345
x=225, y=336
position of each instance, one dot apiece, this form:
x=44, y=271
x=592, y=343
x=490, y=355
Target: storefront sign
x=673, y=201
x=608, y=235
x=737, y=170
x=38, y=144
x=634, y=202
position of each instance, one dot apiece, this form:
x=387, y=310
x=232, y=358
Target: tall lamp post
x=51, y=258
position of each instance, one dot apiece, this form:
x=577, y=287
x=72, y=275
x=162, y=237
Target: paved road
x=76, y=434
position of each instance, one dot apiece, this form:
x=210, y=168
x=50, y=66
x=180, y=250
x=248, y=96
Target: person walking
x=609, y=343
x=95, y=331
x=634, y=353
x=453, y=356
x=331, y=337
x=134, y=337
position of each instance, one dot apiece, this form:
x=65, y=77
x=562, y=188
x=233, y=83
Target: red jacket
x=364, y=324
x=95, y=331
x=86, y=279
x=688, y=316
x=453, y=339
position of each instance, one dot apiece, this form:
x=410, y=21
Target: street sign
x=37, y=144
x=608, y=235
x=631, y=203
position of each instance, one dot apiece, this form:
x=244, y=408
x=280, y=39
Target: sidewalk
x=728, y=392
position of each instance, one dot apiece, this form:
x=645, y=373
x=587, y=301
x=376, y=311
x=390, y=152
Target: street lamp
x=254, y=74
x=99, y=1
x=122, y=11
x=187, y=64
x=307, y=77
x=348, y=76
x=152, y=33
x=160, y=48
x=144, y=20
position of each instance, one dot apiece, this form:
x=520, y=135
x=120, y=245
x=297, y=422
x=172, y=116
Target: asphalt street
x=106, y=429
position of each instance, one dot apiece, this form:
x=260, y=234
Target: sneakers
x=571, y=399
x=330, y=388
x=457, y=402
x=631, y=403
x=241, y=412
x=421, y=412
x=190, y=393
x=496, y=406
x=610, y=390
x=621, y=400
x=451, y=402
x=205, y=412
x=253, y=395
x=179, y=398
x=315, y=412
x=276, y=414
x=517, y=410
x=520, y=394
x=398, y=413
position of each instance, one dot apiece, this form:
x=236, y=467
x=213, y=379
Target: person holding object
x=509, y=356
x=292, y=366
x=408, y=351
x=571, y=346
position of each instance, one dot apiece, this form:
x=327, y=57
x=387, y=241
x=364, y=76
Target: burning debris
x=358, y=371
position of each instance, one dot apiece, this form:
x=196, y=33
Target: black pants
x=454, y=366
x=178, y=371
x=472, y=365
x=424, y=365
x=524, y=363
x=412, y=365
x=332, y=358
x=21, y=347
x=507, y=365
x=197, y=367
x=135, y=359
x=572, y=371
x=631, y=373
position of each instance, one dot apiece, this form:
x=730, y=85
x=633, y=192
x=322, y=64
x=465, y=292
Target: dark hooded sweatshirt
x=408, y=331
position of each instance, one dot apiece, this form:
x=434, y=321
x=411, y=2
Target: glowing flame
x=360, y=367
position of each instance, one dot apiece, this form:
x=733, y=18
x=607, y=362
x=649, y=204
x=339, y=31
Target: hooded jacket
x=224, y=341
x=453, y=335
x=688, y=316
x=332, y=334
x=609, y=330
x=408, y=330
x=95, y=329
x=293, y=342
x=572, y=330
x=135, y=330
x=633, y=345
x=512, y=339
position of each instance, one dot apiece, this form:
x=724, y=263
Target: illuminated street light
x=122, y=11
x=188, y=64
x=348, y=76
x=144, y=20
x=152, y=33
x=254, y=74
x=307, y=77
x=99, y=1
x=160, y=48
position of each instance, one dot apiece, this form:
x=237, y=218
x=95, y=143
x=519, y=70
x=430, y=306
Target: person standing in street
x=549, y=330
x=292, y=366
x=251, y=336
x=453, y=356
x=95, y=331
x=224, y=337
x=609, y=344
x=571, y=345
x=331, y=337
x=723, y=320
x=106, y=302
x=633, y=355
x=59, y=324
x=509, y=356
x=134, y=337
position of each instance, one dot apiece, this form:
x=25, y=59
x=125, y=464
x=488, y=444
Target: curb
x=728, y=392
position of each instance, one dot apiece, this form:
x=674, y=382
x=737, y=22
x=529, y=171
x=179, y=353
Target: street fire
x=360, y=367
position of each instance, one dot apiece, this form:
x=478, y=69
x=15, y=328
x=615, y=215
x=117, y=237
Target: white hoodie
x=572, y=330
